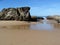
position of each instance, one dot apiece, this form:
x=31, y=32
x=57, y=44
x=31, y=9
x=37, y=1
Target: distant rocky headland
x=55, y=17
x=19, y=14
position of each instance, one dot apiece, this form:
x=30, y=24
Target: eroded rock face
x=22, y=14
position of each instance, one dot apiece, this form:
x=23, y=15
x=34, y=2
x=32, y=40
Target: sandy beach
x=9, y=36
x=29, y=22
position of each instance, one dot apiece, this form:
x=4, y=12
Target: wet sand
x=17, y=36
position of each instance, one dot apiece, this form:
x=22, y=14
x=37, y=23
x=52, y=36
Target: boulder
x=40, y=18
x=33, y=18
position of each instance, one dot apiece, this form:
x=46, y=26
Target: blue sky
x=38, y=7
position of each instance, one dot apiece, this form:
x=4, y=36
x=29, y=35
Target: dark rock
x=22, y=14
x=40, y=18
x=34, y=18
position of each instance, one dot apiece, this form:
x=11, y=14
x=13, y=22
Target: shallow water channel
x=41, y=25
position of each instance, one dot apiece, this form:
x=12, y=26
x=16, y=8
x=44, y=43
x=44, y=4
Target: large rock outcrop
x=55, y=17
x=22, y=14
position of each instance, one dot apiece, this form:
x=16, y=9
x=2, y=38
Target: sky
x=38, y=7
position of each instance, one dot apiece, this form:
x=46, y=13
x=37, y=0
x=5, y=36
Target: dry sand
x=27, y=37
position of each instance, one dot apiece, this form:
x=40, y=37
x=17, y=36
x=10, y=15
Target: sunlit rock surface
x=21, y=13
x=55, y=17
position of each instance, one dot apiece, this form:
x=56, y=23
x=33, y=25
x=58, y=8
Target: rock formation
x=55, y=17
x=22, y=14
x=50, y=17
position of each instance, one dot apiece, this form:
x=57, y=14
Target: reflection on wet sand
x=20, y=26
x=42, y=26
x=15, y=27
